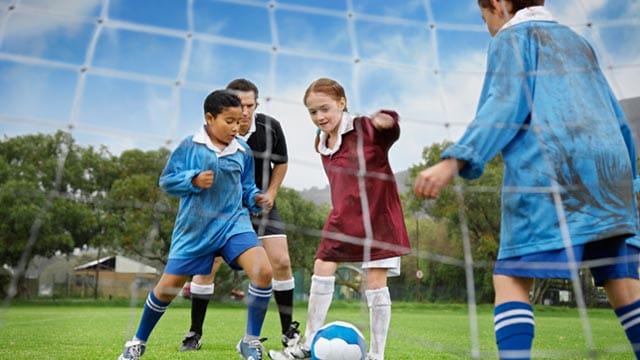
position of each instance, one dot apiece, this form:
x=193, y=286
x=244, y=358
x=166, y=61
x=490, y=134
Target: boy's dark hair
x=243, y=85
x=219, y=100
x=515, y=4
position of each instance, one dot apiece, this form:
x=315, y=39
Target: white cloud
x=56, y=16
x=416, y=96
x=426, y=102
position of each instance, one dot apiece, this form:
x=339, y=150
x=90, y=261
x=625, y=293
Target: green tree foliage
x=141, y=215
x=478, y=203
x=64, y=196
x=48, y=192
x=303, y=223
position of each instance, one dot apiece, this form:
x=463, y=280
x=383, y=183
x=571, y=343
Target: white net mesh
x=132, y=74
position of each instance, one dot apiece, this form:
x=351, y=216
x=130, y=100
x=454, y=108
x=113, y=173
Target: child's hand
x=264, y=202
x=203, y=180
x=382, y=120
x=431, y=180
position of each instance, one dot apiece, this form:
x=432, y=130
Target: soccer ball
x=338, y=340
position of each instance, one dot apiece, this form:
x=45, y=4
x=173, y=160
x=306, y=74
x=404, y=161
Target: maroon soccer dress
x=344, y=234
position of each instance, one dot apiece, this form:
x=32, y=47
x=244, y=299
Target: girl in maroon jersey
x=366, y=223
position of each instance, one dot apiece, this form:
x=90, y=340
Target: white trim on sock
x=322, y=284
x=202, y=289
x=283, y=285
x=378, y=297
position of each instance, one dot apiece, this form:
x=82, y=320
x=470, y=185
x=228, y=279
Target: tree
x=141, y=216
x=303, y=221
x=481, y=208
x=46, y=194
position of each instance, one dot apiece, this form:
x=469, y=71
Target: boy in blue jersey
x=266, y=138
x=568, y=188
x=212, y=173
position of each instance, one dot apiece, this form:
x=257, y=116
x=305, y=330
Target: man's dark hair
x=515, y=4
x=219, y=100
x=243, y=85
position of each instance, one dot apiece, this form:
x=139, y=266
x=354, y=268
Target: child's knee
x=281, y=266
x=622, y=292
x=264, y=274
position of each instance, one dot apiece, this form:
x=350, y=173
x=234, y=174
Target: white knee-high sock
x=379, y=302
x=320, y=296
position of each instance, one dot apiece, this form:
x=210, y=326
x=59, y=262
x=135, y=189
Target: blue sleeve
x=182, y=166
x=503, y=108
x=249, y=188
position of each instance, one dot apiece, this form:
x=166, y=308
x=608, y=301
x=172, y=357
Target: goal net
x=132, y=74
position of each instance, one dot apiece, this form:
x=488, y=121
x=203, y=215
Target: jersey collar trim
x=532, y=13
x=346, y=125
x=201, y=137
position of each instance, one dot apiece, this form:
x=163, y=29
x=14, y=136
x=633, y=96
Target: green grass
x=418, y=331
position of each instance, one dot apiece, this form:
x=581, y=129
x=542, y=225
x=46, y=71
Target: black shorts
x=268, y=225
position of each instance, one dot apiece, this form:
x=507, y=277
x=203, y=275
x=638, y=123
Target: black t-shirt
x=269, y=147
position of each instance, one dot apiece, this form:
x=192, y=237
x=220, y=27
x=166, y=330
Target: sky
x=132, y=74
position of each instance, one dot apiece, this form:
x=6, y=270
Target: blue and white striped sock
x=257, y=304
x=629, y=316
x=153, y=311
x=514, y=328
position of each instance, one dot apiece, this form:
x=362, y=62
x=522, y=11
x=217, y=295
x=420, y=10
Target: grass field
x=418, y=331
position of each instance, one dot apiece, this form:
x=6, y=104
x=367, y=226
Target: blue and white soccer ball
x=338, y=340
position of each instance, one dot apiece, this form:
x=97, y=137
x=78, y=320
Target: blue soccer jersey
x=567, y=148
x=207, y=218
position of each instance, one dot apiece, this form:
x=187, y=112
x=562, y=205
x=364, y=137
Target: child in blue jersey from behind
x=212, y=172
x=569, y=169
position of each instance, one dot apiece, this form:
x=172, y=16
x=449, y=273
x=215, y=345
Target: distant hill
x=323, y=195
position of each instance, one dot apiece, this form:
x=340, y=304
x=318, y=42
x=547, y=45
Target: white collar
x=201, y=137
x=346, y=125
x=531, y=13
x=252, y=128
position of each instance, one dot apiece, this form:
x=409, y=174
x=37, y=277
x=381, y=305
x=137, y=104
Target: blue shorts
x=201, y=265
x=607, y=259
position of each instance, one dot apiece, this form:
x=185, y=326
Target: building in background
x=115, y=276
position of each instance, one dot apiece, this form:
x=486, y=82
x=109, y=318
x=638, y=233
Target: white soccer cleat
x=292, y=336
x=295, y=352
x=133, y=350
x=251, y=350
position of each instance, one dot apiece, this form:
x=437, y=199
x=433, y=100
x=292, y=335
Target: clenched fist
x=203, y=180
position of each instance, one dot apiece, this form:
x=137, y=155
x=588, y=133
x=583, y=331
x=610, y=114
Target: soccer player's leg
x=283, y=285
x=271, y=232
x=514, y=324
x=244, y=251
x=619, y=276
x=201, y=290
x=155, y=306
x=320, y=295
x=379, y=302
